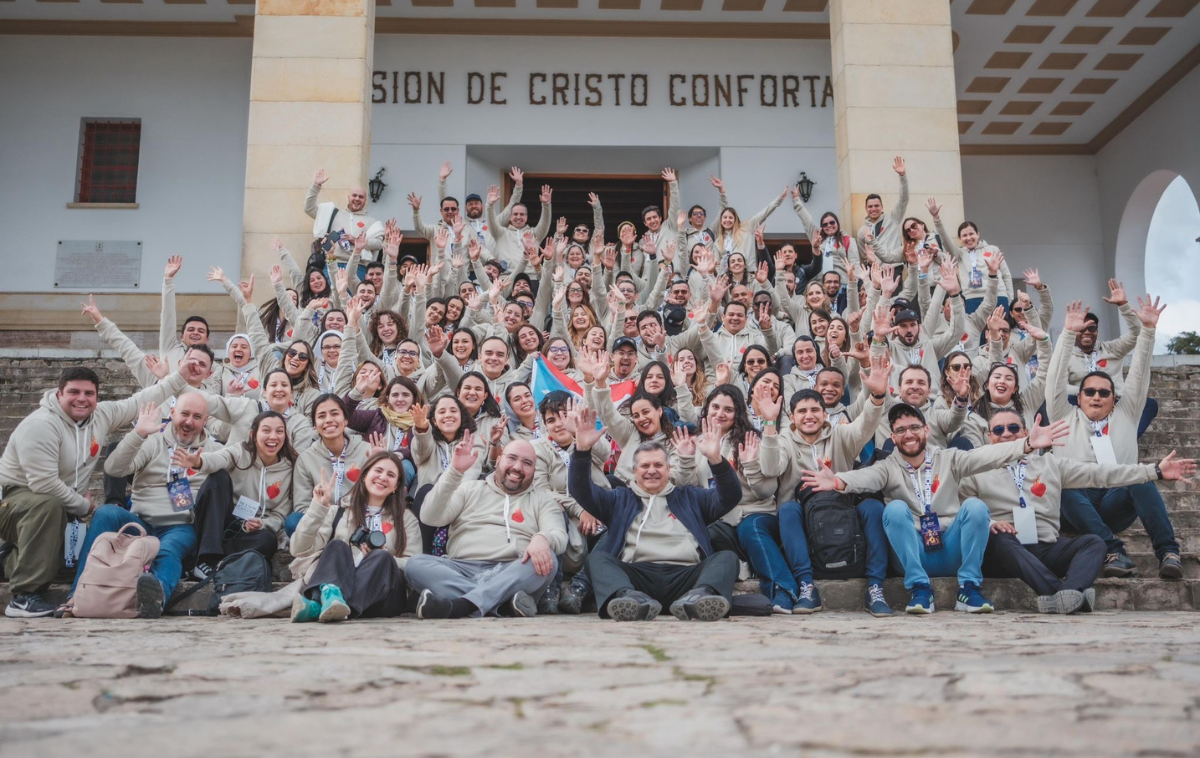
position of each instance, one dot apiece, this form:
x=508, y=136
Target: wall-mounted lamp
x=376, y=186
x=805, y=186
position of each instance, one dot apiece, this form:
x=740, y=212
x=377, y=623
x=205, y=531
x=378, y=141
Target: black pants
x=375, y=588
x=723, y=536
x=1077, y=559
x=116, y=488
x=662, y=581
x=427, y=532
x=218, y=533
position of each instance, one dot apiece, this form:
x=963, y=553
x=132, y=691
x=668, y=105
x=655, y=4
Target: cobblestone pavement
x=833, y=684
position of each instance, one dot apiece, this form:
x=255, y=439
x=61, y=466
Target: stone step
x=847, y=594
x=1137, y=541
x=1147, y=564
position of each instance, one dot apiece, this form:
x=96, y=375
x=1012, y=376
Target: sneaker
x=571, y=600
x=1118, y=565
x=633, y=606
x=922, y=599
x=971, y=600
x=202, y=570
x=1063, y=601
x=149, y=596
x=29, y=605
x=874, y=602
x=700, y=605
x=547, y=604
x=333, y=604
x=1089, y=600
x=1170, y=567
x=523, y=605
x=782, y=604
x=305, y=610
x=430, y=606
x=809, y=600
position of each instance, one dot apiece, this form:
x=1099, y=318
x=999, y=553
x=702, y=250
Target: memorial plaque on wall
x=98, y=264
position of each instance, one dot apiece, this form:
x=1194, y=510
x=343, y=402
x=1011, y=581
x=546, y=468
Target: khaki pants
x=35, y=523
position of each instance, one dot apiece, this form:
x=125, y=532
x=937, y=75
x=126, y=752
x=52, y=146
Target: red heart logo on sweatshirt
x=933, y=488
x=1038, y=489
x=95, y=448
x=352, y=474
x=518, y=516
x=191, y=472
x=987, y=255
x=273, y=491
x=361, y=225
x=289, y=333
x=1102, y=363
x=386, y=528
x=253, y=384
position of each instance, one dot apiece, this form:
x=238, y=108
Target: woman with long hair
x=522, y=424
x=559, y=353
x=437, y=429
x=529, y=340
x=734, y=235
x=658, y=380
x=350, y=550
x=252, y=493
x=337, y=453
x=236, y=414
x=766, y=388
x=755, y=359
x=829, y=242
x=390, y=423
x=726, y=411
x=694, y=375
x=387, y=330
x=473, y=392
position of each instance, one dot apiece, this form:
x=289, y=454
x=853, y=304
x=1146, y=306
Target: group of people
x=551, y=419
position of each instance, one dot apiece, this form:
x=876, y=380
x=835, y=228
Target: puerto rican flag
x=548, y=378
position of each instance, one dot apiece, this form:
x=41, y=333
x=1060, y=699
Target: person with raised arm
x=883, y=232
x=351, y=221
x=173, y=342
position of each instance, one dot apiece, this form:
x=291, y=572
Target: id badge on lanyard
x=1102, y=446
x=1024, y=518
x=931, y=529
x=339, y=473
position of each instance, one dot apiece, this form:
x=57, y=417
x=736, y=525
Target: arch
x=1130, y=263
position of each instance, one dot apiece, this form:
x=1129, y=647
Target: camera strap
x=337, y=517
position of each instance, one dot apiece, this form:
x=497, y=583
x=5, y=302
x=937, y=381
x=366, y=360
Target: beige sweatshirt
x=148, y=459
x=1046, y=476
x=269, y=486
x=758, y=490
x=656, y=536
x=486, y=523
x=950, y=466
x=509, y=247
x=238, y=413
x=625, y=434
x=1107, y=356
x=315, y=531
x=1121, y=426
x=889, y=245
x=317, y=458
x=551, y=473
x=52, y=455
x=432, y=457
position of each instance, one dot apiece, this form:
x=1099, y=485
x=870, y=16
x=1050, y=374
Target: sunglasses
x=829, y=223
x=1017, y=309
x=1010, y=428
x=1090, y=329
x=581, y=229
x=960, y=367
x=297, y=354
x=1093, y=392
x=756, y=362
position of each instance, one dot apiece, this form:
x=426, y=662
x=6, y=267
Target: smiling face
x=316, y=282
x=652, y=220
x=383, y=478
x=831, y=283
x=584, y=277
x=520, y=399
x=685, y=361
x=461, y=345
x=434, y=314
x=449, y=211
x=365, y=294
x=400, y=398
x=1006, y=419
x=771, y=382
x=814, y=296
x=756, y=361
x=624, y=360
x=454, y=309
x=680, y=294
x=808, y=417
x=655, y=380
x=188, y=417
x=447, y=417
x=335, y=320
x=472, y=393
x=278, y=392
x=969, y=236
x=513, y=316
x=727, y=220
x=78, y=399
x=1001, y=384
x=519, y=217
x=474, y=209
x=356, y=200
x=387, y=329
x=722, y=412
x=493, y=358
x=652, y=470
x=832, y=386
x=239, y=352
x=909, y=435
x=1086, y=339
x=556, y=428
x=331, y=350
x=914, y=387
x=408, y=357
x=527, y=338
x=375, y=277
x=735, y=317
x=514, y=469
x=194, y=333
x=297, y=358
x=646, y=418
x=575, y=256
x=574, y=293
x=559, y=353
x=874, y=208
x=329, y=421
x=595, y=338
x=835, y=333
x=269, y=439
x=805, y=354
x=818, y=325
x=737, y=264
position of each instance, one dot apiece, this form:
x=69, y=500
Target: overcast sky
x=1173, y=261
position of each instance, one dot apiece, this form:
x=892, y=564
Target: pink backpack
x=108, y=587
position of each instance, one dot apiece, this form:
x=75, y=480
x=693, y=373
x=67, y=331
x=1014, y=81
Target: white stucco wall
x=192, y=96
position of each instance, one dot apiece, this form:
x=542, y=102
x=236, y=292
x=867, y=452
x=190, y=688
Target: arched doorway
x=1157, y=250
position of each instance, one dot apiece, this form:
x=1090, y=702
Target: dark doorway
x=621, y=197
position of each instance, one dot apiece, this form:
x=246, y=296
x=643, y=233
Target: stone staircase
x=1177, y=427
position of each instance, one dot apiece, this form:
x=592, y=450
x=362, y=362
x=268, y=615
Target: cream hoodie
x=270, y=486
x=148, y=459
x=317, y=459
x=786, y=455
x=52, y=455
x=315, y=531
x=656, y=536
x=488, y=524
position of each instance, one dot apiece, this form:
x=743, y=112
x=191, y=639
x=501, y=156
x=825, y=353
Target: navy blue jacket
x=695, y=507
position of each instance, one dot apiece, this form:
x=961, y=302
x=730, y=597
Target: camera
x=375, y=539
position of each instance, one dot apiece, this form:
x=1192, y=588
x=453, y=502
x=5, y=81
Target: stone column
x=310, y=108
x=893, y=84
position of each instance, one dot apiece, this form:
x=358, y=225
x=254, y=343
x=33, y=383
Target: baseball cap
x=624, y=342
x=473, y=196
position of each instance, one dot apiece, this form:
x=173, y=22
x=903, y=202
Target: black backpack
x=247, y=571
x=836, y=543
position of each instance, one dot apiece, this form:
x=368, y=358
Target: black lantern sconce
x=805, y=185
x=376, y=186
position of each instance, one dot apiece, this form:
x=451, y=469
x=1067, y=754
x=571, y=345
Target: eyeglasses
x=699, y=213
x=910, y=227
x=900, y=431
x=297, y=355
x=1089, y=329
x=559, y=349
x=581, y=229
x=1011, y=428
x=408, y=353
x=331, y=346
x=1093, y=392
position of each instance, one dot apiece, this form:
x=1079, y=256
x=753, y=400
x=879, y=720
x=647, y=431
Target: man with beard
x=901, y=335
x=932, y=530
x=474, y=207
x=1090, y=355
x=164, y=494
x=504, y=539
x=510, y=247
x=351, y=222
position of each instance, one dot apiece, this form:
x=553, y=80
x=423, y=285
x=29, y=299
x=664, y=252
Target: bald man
x=352, y=221
x=164, y=494
x=505, y=537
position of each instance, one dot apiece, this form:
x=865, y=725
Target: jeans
x=963, y=544
x=291, y=521
x=1104, y=512
x=175, y=543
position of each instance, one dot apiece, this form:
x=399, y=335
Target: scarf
x=402, y=421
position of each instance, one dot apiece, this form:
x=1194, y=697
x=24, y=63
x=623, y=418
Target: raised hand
x=854, y=320
x=764, y=316
x=1032, y=278
x=763, y=274
x=768, y=404
x=881, y=324
x=724, y=372
x=888, y=283
x=561, y=229
x=320, y=177
x=678, y=376
x=899, y=166
x=683, y=441
x=149, y=421
x=420, y=414
x=593, y=199
x=377, y=442
x=474, y=249
x=518, y=177
x=627, y=234
x=414, y=200
x=247, y=288
x=1075, y=318
x=935, y=210
x=996, y=322
x=546, y=195
x=1148, y=311
x=1034, y=331
x=1177, y=469
x=90, y=310
x=323, y=491
x=435, y=338
x=759, y=241
x=1045, y=437
x=391, y=244
x=445, y=171
x=710, y=441
x=668, y=175
x=669, y=252
x=961, y=384
x=748, y=450
x=216, y=274
x=1116, y=293
x=648, y=246
x=949, y=281
x=156, y=366
x=276, y=244
x=924, y=259
x=717, y=184
x=881, y=370
x=993, y=262
x=465, y=454
x=601, y=366
x=174, y=263
x=586, y=433
x=717, y=290
x=821, y=480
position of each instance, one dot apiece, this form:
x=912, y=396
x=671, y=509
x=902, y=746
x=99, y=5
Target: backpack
x=108, y=586
x=247, y=571
x=836, y=542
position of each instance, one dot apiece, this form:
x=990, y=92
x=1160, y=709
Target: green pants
x=35, y=523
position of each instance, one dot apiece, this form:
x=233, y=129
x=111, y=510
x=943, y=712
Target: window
x=108, y=161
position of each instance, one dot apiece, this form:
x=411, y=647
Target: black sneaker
x=700, y=605
x=1118, y=565
x=149, y=596
x=430, y=606
x=571, y=600
x=633, y=606
x=29, y=605
x=1170, y=567
x=523, y=605
x=202, y=570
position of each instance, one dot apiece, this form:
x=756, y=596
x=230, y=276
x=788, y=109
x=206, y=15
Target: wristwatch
x=1158, y=471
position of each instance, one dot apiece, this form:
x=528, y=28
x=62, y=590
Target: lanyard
x=974, y=263
x=1099, y=428
x=563, y=455
x=339, y=471
x=374, y=520
x=1091, y=360
x=925, y=496
x=1018, y=476
x=398, y=436
x=810, y=376
x=507, y=527
x=444, y=458
x=262, y=480
x=173, y=471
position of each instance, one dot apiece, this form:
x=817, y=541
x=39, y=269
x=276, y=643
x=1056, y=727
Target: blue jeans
x=963, y=543
x=1104, y=512
x=175, y=543
x=291, y=521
